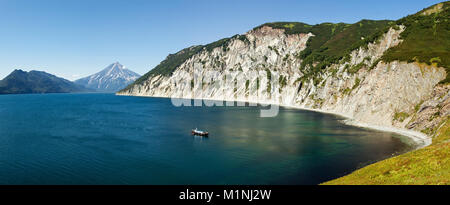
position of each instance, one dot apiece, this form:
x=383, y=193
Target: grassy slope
x=430, y=165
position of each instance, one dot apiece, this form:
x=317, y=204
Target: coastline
x=421, y=140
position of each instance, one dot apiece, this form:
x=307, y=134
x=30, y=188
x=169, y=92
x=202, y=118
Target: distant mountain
x=21, y=82
x=111, y=79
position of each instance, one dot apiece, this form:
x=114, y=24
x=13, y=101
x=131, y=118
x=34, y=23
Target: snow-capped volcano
x=111, y=79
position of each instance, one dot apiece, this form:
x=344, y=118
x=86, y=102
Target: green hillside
x=173, y=61
x=426, y=38
x=332, y=43
x=326, y=47
x=167, y=66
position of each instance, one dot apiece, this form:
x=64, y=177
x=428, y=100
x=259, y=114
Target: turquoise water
x=108, y=139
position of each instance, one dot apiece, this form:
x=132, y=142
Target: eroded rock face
x=384, y=94
x=429, y=114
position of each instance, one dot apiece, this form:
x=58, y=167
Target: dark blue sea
x=108, y=139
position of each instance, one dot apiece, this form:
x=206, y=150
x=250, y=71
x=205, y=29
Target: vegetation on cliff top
x=173, y=61
x=326, y=46
x=426, y=38
x=167, y=66
x=332, y=42
x=429, y=165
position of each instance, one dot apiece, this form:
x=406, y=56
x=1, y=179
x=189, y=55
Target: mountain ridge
x=315, y=52
x=22, y=82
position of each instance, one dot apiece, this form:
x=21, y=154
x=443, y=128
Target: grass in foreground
x=430, y=165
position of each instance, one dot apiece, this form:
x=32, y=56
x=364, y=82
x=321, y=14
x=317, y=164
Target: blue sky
x=76, y=38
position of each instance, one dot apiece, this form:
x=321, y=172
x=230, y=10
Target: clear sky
x=76, y=38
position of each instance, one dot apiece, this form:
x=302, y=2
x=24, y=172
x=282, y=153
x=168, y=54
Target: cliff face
x=264, y=49
x=395, y=94
x=265, y=66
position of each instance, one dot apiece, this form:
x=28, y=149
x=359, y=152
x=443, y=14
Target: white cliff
x=398, y=96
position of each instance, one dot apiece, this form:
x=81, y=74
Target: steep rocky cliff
x=274, y=63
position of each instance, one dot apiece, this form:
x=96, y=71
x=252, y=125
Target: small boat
x=199, y=133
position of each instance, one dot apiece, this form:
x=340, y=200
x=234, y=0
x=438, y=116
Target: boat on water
x=200, y=133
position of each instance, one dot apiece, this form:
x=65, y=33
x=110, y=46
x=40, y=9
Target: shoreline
x=421, y=140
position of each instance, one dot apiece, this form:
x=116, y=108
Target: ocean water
x=108, y=139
